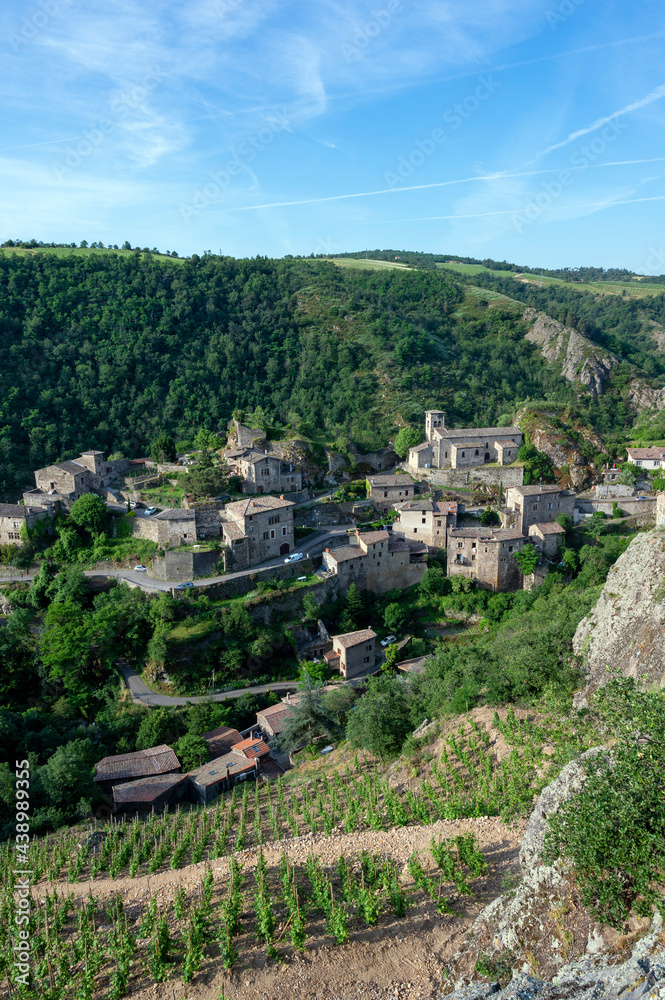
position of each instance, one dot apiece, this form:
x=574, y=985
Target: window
x=510, y=548
x=638, y=463
x=284, y=531
x=424, y=520
x=535, y=507
x=415, y=531
x=473, y=557
x=438, y=524
x=366, y=659
x=368, y=648
x=476, y=451
x=462, y=454
x=503, y=558
x=549, y=506
x=385, y=493
x=265, y=472
x=272, y=532
x=274, y=519
x=16, y=524
x=265, y=534
x=460, y=545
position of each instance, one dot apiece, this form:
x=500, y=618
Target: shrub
x=613, y=833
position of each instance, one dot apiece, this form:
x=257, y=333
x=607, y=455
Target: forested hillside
x=106, y=351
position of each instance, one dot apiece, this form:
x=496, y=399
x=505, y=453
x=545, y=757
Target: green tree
x=407, y=437
x=394, y=617
x=162, y=449
x=391, y=658
x=628, y=476
x=308, y=721
x=527, y=559
x=89, y=513
x=310, y=672
x=381, y=720
x=353, y=610
x=488, y=517
x=67, y=775
x=434, y=581
x=340, y=701
x=192, y=751
x=566, y=521
x=158, y=726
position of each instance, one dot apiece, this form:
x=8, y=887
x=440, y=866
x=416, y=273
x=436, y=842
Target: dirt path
x=397, y=959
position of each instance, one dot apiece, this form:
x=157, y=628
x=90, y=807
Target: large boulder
x=625, y=629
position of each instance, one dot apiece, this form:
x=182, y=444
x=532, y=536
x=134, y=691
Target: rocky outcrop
x=562, y=442
x=540, y=929
x=625, y=630
x=642, y=397
x=593, y=977
x=580, y=359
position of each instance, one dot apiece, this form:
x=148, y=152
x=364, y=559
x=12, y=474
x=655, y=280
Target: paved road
x=316, y=541
x=141, y=692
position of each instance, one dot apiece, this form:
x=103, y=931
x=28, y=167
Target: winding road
x=141, y=692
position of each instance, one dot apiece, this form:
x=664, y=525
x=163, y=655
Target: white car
x=294, y=557
x=388, y=640
x=140, y=569
x=151, y=510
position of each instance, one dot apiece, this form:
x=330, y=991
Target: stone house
x=146, y=794
x=537, y=505
x=647, y=458
x=14, y=516
x=426, y=521
x=71, y=479
x=353, y=653
x=384, y=491
x=271, y=720
x=463, y=448
x=486, y=556
x=209, y=780
x=378, y=561
x=221, y=740
x=258, y=529
x=124, y=767
x=611, y=474
x=660, y=510
x=548, y=538
x=263, y=472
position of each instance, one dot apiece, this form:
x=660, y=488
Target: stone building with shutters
x=378, y=561
x=427, y=521
x=258, y=529
x=353, y=653
x=529, y=505
x=14, y=517
x=463, y=448
x=486, y=556
x=384, y=491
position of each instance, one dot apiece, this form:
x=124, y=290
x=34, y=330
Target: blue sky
x=530, y=130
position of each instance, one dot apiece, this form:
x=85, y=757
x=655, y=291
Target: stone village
x=260, y=527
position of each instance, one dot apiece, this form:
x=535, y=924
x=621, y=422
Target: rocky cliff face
x=562, y=442
x=581, y=360
x=626, y=629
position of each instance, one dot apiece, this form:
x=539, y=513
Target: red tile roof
x=251, y=748
x=221, y=740
x=141, y=763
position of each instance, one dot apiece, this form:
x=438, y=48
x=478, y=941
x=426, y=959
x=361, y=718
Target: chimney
x=327, y=550
x=281, y=496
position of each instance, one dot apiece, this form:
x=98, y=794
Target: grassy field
x=83, y=252
x=637, y=289
x=365, y=264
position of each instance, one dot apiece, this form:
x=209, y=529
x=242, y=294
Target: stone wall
x=492, y=475
x=630, y=505
x=186, y=565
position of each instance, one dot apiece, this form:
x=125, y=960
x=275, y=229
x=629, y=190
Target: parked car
x=135, y=504
x=388, y=640
x=151, y=510
x=223, y=498
x=294, y=557
x=140, y=569
x=181, y=586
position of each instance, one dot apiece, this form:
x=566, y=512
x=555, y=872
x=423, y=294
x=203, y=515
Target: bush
x=613, y=833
